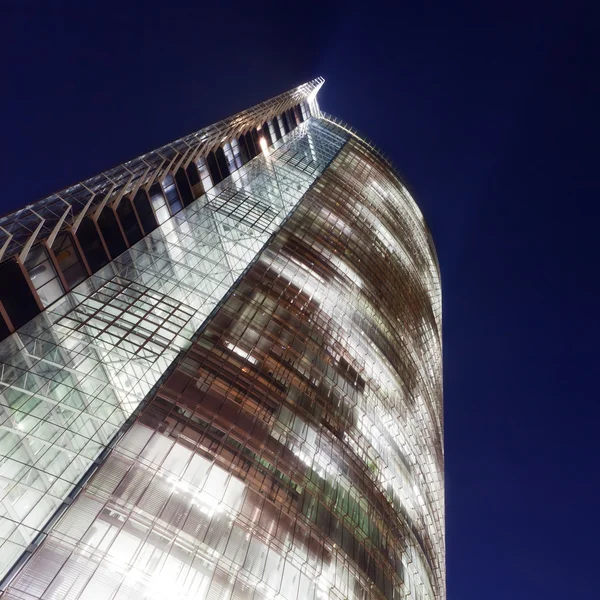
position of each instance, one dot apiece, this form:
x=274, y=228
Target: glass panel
x=295, y=450
x=69, y=260
x=171, y=193
x=43, y=275
x=74, y=374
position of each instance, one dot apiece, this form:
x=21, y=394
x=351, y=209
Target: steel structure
x=97, y=219
x=240, y=396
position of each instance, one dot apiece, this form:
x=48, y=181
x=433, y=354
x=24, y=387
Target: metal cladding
x=285, y=439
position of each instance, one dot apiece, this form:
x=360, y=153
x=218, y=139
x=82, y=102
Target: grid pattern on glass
x=119, y=225
x=296, y=451
x=161, y=520
x=38, y=220
x=72, y=376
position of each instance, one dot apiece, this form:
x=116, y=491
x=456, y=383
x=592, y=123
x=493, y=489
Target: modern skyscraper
x=221, y=374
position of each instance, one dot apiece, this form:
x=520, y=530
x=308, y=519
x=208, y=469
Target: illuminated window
x=43, y=275
x=205, y=175
x=159, y=203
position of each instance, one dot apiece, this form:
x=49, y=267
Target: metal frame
x=90, y=196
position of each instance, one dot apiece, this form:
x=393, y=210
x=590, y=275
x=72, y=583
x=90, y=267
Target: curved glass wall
x=73, y=375
x=296, y=450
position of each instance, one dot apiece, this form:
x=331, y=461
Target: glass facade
x=247, y=403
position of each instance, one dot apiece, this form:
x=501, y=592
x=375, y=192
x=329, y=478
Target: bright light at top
x=263, y=146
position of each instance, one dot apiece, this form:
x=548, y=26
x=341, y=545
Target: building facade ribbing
x=225, y=381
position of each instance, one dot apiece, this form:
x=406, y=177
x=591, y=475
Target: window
x=90, y=242
x=129, y=222
x=255, y=142
x=172, y=194
x=159, y=204
x=183, y=185
x=43, y=275
x=274, y=129
x=144, y=211
x=222, y=162
x=243, y=149
x=266, y=133
x=193, y=175
x=213, y=167
x=232, y=154
x=204, y=172
x=16, y=295
x=305, y=111
x=282, y=126
x=290, y=119
x=236, y=153
x=69, y=260
x=111, y=232
x=229, y=156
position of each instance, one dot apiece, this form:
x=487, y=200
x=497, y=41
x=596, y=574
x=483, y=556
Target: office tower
x=221, y=374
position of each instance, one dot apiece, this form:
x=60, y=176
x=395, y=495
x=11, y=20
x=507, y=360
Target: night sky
x=490, y=110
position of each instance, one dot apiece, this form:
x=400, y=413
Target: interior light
x=263, y=146
x=240, y=352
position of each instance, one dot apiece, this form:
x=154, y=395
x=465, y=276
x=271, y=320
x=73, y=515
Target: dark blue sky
x=491, y=112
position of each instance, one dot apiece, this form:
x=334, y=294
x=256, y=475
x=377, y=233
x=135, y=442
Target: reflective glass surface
x=39, y=219
x=72, y=376
x=296, y=450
